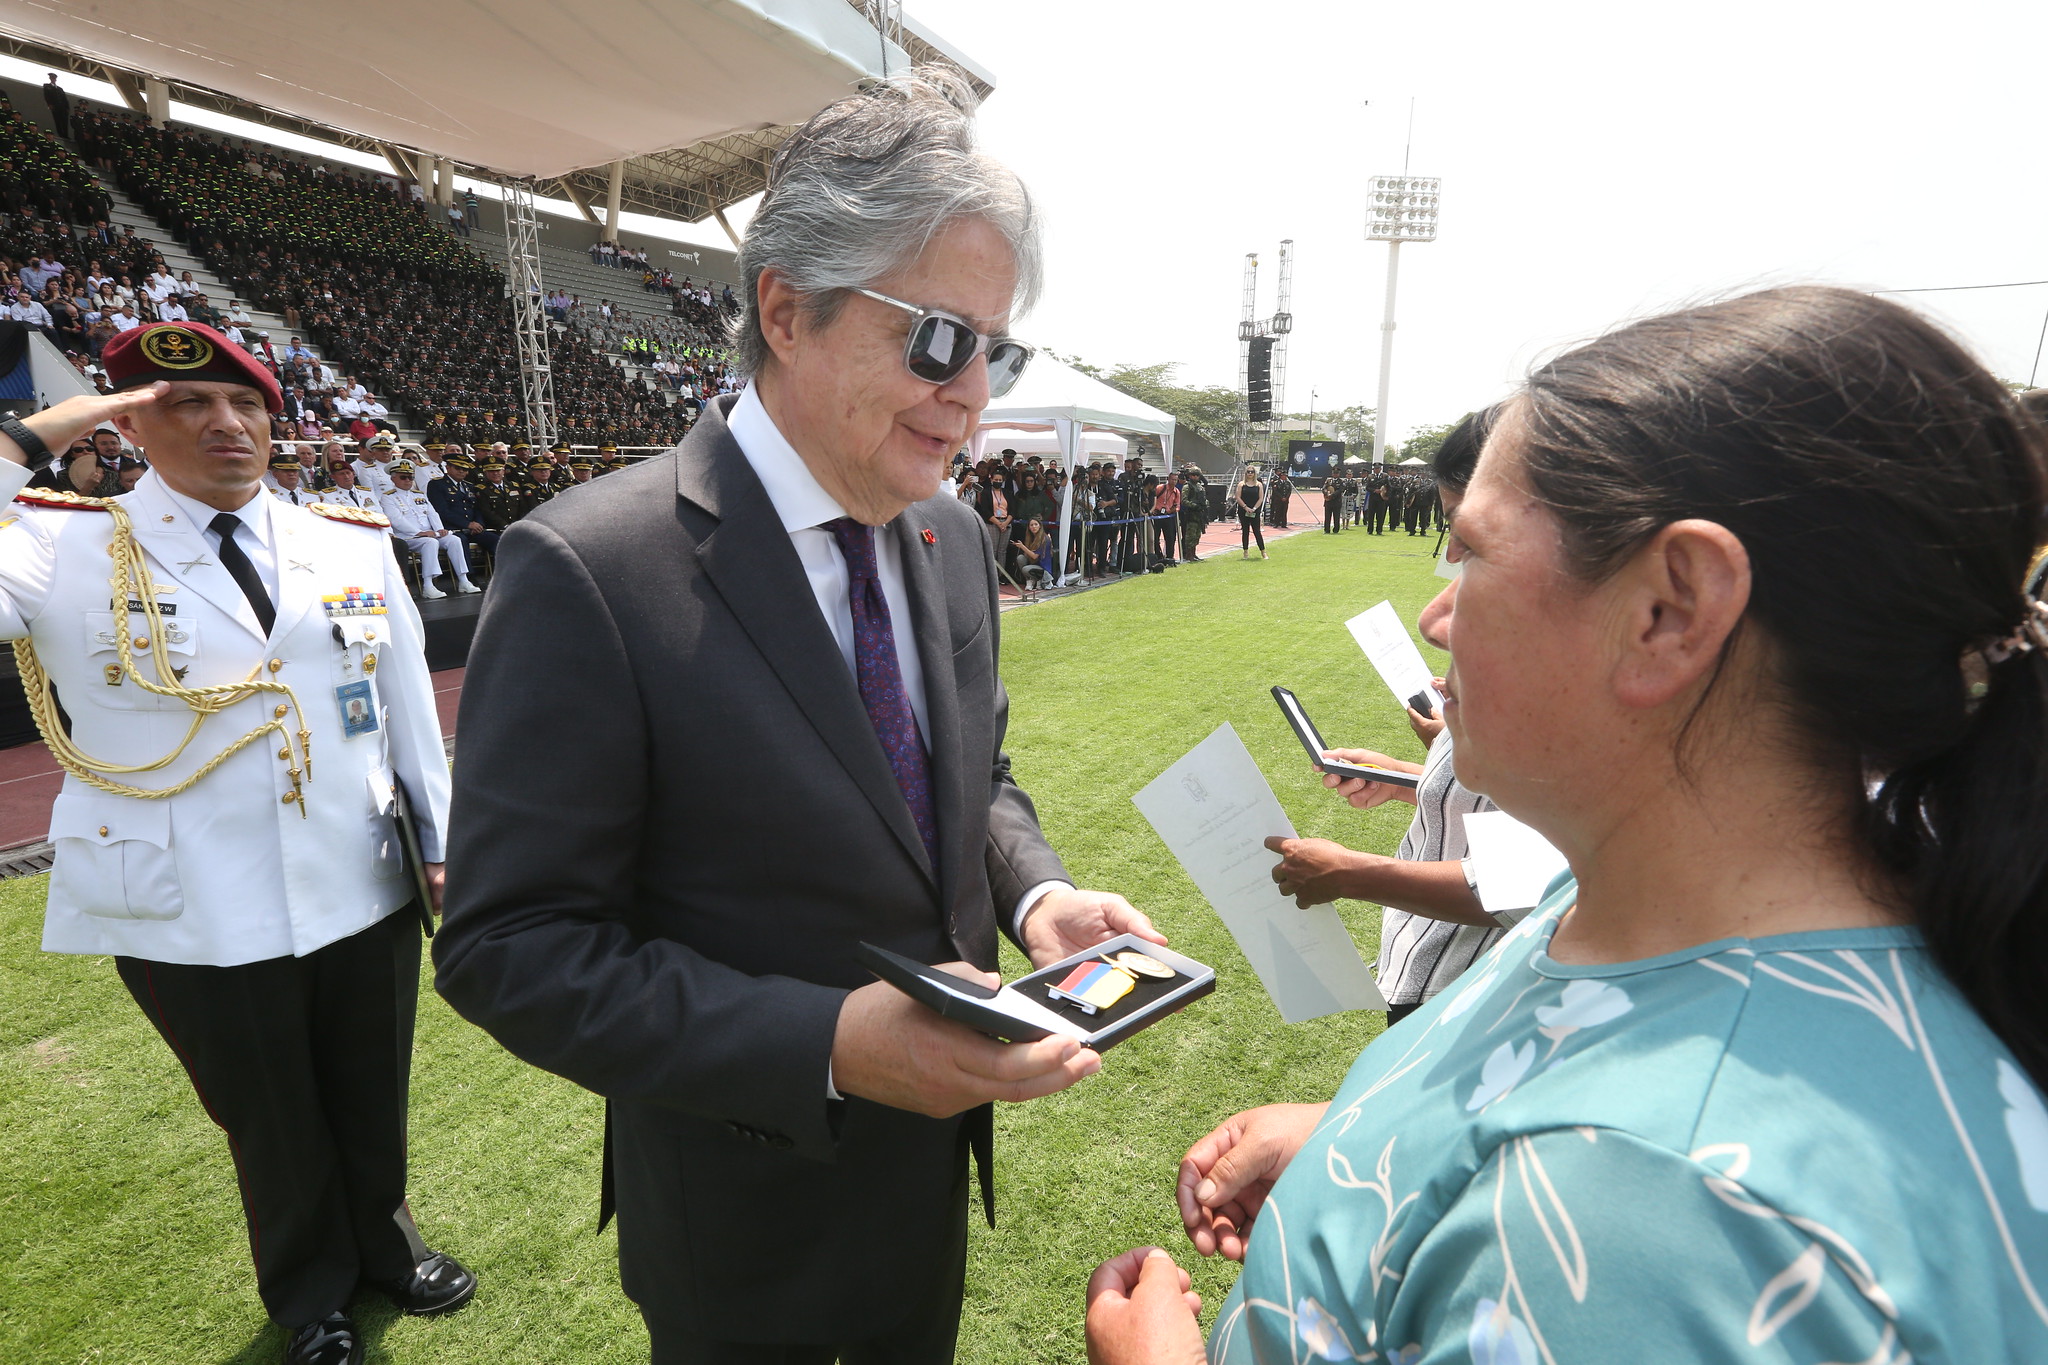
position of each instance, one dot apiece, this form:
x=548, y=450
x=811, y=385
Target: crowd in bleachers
x=354, y=263
x=63, y=269
x=689, y=357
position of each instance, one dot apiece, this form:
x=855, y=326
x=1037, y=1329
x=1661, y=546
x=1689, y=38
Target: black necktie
x=244, y=573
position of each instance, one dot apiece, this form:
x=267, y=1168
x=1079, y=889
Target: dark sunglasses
x=942, y=344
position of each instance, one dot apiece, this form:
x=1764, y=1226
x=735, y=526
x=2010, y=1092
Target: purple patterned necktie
x=881, y=679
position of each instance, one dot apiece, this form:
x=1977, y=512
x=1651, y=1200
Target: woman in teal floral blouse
x=1741, y=629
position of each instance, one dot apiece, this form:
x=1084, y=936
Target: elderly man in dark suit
x=790, y=636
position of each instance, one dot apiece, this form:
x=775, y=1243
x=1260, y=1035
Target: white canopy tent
x=1095, y=445
x=523, y=87
x=1056, y=397
x=1415, y=459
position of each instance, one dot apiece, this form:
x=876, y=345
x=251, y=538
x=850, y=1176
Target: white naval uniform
x=301, y=496
x=351, y=497
x=373, y=475
x=412, y=516
x=228, y=871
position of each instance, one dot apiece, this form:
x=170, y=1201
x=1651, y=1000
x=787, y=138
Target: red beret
x=185, y=350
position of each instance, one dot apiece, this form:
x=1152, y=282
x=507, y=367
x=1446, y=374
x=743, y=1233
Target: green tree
x=1424, y=442
x=1210, y=410
x=1354, y=427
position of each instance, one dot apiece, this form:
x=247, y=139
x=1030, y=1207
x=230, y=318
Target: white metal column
x=613, y=190
x=1379, y=420
x=529, y=318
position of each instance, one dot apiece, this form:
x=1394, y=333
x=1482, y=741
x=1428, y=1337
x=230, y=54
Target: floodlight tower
x=1402, y=209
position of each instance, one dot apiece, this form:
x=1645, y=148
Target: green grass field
x=120, y=1232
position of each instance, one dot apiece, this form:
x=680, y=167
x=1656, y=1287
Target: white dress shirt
x=804, y=507
x=256, y=539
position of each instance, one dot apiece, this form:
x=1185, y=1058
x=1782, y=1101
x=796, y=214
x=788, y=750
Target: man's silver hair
x=859, y=192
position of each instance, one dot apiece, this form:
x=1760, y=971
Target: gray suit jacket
x=672, y=823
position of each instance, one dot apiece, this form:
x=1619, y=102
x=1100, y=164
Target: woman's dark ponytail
x=1969, y=826
x=1890, y=494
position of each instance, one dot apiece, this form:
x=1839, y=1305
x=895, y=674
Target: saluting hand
x=57, y=427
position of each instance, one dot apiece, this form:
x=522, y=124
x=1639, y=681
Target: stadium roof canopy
x=692, y=95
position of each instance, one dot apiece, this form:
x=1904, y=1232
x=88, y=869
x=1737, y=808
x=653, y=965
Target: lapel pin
x=930, y=539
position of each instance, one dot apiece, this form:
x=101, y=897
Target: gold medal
x=1142, y=965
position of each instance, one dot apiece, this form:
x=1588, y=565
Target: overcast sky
x=1600, y=161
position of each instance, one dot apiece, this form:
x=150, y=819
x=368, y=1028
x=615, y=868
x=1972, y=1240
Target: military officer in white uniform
x=426, y=461
x=344, y=491
x=418, y=526
x=373, y=470
x=251, y=886
x=286, y=483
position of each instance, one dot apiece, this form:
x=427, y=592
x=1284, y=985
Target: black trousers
x=1101, y=548
x=1376, y=519
x=1163, y=531
x=1247, y=527
x=1333, y=514
x=303, y=1062
x=927, y=1335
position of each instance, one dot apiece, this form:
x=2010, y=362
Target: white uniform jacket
x=375, y=476
x=411, y=512
x=228, y=871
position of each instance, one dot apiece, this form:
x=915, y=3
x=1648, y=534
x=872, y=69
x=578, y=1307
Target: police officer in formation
x=1377, y=485
x=279, y=958
x=498, y=503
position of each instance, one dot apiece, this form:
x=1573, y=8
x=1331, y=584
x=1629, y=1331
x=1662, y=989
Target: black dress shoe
x=439, y=1284
x=331, y=1341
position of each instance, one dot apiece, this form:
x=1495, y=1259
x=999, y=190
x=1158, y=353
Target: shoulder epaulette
x=64, y=498
x=355, y=516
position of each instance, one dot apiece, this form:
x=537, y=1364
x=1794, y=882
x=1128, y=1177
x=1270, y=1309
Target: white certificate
x=1511, y=864
x=1386, y=642
x=1215, y=812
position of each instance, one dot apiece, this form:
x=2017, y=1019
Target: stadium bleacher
x=694, y=335
x=359, y=268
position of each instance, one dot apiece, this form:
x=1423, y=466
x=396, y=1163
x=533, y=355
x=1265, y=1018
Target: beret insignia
x=174, y=348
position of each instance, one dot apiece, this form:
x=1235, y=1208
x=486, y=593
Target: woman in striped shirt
x=1432, y=927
